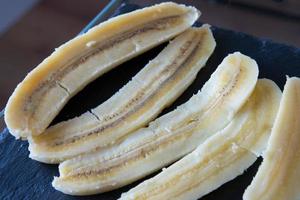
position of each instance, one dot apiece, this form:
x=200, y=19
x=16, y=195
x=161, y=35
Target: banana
x=222, y=157
x=47, y=88
x=167, y=138
x=137, y=103
x=278, y=177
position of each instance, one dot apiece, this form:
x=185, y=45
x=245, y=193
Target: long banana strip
x=278, y=177
x=220, y=158
x=47, y=88
x=167, y=138
x=151, y=90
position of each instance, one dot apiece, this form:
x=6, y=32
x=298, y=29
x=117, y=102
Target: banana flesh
x=137, y=103
x=278, y=177
x=222, y=157
x=46, y=89
x=167, y=138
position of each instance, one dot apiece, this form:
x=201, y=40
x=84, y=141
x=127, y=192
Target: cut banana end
x=167, y=138
x=137, y=103
x=46, y=89
x=222, y=157
x=278, y=177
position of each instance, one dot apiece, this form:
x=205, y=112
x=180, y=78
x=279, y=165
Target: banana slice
x=137, y=103
x=45, y=90
x=167, y=138
x=278, y=177
x=220, y=158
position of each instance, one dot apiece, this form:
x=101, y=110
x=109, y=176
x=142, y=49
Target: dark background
x=50, y=23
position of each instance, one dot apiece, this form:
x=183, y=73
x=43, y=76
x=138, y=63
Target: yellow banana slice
x=278, y=177
x=137, y=103
x=222, y=157
x=167, y=138
x=47, y=88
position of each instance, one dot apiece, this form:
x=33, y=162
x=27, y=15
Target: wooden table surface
x=52, y=22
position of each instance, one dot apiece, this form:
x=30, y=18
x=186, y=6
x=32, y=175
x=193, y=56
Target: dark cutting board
x=23, y=178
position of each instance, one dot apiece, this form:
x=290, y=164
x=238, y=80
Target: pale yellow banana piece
x=167, y=138
x=278, y=177
x=47, y=88
x=222, y=157
x=137, y=103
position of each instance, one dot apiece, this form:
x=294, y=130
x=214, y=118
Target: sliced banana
x=167, y=138
x=222, y=157
x=47, y=88
x=278, y=177
x=137, y=103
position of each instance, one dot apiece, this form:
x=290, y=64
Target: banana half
x=167, y=138
x=222, y=157
x=278, y=177
x=137, y=103
x=46, y=89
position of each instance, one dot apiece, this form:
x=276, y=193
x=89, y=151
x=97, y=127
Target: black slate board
x=23, y=178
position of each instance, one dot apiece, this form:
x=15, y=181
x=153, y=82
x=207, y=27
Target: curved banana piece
x=278, y=177
x=137, y=103
x=166, y=139
x=222, y=157
x=47, y=88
